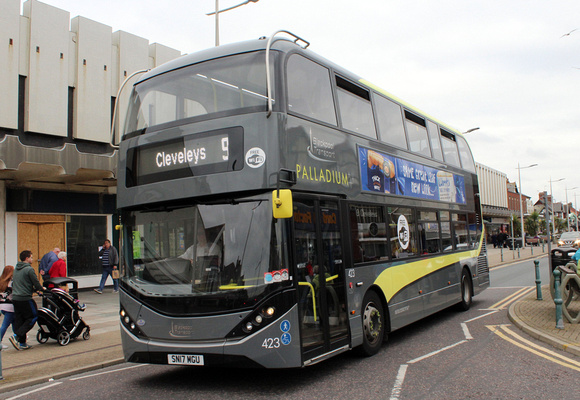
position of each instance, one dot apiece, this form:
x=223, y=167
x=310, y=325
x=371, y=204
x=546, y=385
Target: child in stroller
x=60, y=318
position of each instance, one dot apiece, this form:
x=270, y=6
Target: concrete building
x=494, y=200
x=58, y=82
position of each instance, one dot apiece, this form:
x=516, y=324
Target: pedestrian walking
x=6, y=305
x=46, y=263
x=24, y=284
x=109, y=258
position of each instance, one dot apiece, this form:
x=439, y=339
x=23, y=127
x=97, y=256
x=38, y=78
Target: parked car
x=571, y=239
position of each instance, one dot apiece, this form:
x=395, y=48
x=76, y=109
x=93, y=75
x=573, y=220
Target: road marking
x=433, y=353
x=481, y=316
x=34, y=391
x=108, y=372
x=466, y=331
x=529, y=346
x=398, y=385
x=396, y=392
x=502, y=304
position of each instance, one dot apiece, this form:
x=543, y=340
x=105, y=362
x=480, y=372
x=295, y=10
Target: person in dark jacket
x=109, y=259
x=24, y=283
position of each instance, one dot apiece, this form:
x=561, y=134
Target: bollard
x=518, y=252
x=538, y=281
x=558, y=300
x=532, y=248
x=501, y=248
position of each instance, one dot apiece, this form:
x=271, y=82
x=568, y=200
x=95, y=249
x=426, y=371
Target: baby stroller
x=59, y=319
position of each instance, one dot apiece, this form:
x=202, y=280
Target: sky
x=507, y=67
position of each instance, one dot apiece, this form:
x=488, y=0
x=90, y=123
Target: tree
x=532, y=223
x=517, y=226
x=560, y=224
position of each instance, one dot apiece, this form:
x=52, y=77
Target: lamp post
x=521, y=205
x=470, y=130
x=576, y=208
x=552, y=204
x=217, y=13
x=568, y=207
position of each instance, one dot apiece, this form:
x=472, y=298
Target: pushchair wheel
x=87, y=334
x=41, y=337
x=63, y=338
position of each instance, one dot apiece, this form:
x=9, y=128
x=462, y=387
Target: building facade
x=58, y=82
x=494, y=200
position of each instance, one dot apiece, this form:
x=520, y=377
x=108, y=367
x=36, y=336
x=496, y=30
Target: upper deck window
x=356, y=112
x=228, y=85
x=465, y=154
x=450, y=148
x=433, y=131
x=390, y=120
x=417, y=133
x=309, y=90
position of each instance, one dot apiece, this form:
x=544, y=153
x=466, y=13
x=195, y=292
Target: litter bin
x=73, y=287
x=561, y=256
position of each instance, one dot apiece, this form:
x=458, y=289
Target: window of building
x=449, y=145
x=85, y=234
x=390, y=121
x=309, y=90
x=402, y=231
x=428, y=227
x=356, y=112
x=417, y=134
x=368, y=231
x=434, y=139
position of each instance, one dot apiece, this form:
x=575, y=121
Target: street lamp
x=217, y=13
x=552, y=204
x=521, y=206
x=568, y=207
x=470, y=130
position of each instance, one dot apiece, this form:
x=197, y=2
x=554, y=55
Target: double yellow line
x=504, y=303
x=504, y=332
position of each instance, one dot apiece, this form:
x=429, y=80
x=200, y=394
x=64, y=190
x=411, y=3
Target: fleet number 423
x=271, y=343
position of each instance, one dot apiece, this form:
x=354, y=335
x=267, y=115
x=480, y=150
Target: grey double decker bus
x=277, y=210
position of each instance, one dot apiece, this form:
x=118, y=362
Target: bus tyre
x=373, y=323
x=466, y=293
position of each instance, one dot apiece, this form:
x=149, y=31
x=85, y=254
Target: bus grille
x=482, y=265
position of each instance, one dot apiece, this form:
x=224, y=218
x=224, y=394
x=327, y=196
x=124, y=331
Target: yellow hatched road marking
x=564, y=361
x=511, y=298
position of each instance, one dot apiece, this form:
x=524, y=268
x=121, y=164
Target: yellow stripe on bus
x=392, y=280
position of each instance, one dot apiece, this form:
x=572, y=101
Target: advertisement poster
x=391, y=175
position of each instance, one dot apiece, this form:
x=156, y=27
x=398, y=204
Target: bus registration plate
x=184, y=359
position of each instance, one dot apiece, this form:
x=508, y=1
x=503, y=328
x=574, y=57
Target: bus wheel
x=373, y=321
x=466, y=294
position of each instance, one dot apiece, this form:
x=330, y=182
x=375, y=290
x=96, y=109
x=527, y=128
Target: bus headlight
x=130, y=325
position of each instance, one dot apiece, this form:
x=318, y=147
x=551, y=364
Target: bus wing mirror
x=282, y=203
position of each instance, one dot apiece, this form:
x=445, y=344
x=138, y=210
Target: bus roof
x=284, y=45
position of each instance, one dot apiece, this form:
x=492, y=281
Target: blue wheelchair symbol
x=286, y=339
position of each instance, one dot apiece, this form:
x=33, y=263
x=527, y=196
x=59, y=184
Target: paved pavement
x=51, y=361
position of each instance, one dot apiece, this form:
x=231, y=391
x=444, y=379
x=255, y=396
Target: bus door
x=318, y=247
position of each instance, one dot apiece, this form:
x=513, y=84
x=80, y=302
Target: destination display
x=392, y=175
x=196, y=154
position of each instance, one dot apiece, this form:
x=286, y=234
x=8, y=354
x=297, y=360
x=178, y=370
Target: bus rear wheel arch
x=374, y=324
